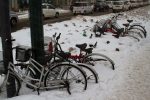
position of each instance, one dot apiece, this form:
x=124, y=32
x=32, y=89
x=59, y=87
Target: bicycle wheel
x=91, y=74
x=136, y=32
x=97, y=58
x=5, y=85
x=71, y=73
x=139, y=27
x=133, y=37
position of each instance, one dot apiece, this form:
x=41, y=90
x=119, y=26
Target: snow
x=129, y=81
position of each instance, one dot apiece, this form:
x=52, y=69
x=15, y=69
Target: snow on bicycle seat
x=81, y=46
x=88, y=50
x=126, y=24
x=130, y=21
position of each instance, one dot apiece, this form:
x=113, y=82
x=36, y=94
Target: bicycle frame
x=24, y=77
x=27, y=79
x=57, y=47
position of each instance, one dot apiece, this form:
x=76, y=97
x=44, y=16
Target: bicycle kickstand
x=68, y=87
x=38, y=91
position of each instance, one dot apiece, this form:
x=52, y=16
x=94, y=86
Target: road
x=25, y=22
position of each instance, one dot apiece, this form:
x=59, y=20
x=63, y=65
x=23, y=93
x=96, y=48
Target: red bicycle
x=134, y=30
x=85, y=56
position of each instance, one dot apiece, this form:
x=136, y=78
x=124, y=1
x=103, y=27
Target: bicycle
x=56, y=57
x=110, y=25
x=24, y=78
x=130, y=26
x=58, y=76
x=87, y=58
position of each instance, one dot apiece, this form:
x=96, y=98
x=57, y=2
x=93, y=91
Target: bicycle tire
x=136, y=33
x=59, y=71
x=138, y=26
x=5, y=86
x=91, y=74
x=89, y=71
x=143, y=30
x=133, y=37
x=102, y=57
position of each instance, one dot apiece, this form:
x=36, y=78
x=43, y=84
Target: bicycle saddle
x=130, y=21
x=126, y=24
x=81, y=46
x=88, y=50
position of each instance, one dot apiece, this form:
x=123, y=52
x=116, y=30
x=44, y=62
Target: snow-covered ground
x=131, y=78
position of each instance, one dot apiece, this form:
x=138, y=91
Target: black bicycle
x=59, y=56
x=63, y=75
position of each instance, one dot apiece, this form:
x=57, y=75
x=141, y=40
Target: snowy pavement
x=134, y=76
x=131, y=78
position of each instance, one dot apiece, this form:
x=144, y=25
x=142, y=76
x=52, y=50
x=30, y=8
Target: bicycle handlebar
x=57, y=45
x=55, y=35
x=58, y=37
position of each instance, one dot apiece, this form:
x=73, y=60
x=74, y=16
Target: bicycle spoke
x=98, y=59
x=73, y=75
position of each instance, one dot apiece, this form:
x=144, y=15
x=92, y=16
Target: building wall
x=13, y=4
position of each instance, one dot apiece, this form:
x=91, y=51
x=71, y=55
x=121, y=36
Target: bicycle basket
x=23, y=53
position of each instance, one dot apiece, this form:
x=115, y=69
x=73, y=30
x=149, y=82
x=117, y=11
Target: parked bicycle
x=87, y=57
x=58, y=57
x=62, y=75
x=134, y=30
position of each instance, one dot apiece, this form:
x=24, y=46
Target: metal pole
x=5, y=33
x=36, y=26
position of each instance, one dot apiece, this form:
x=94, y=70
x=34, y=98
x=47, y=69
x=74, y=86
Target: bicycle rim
x=138, y=27
x=136, y=32
x=71, y=73
x=97, y=59
x=133, y=37
x=91, y=74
